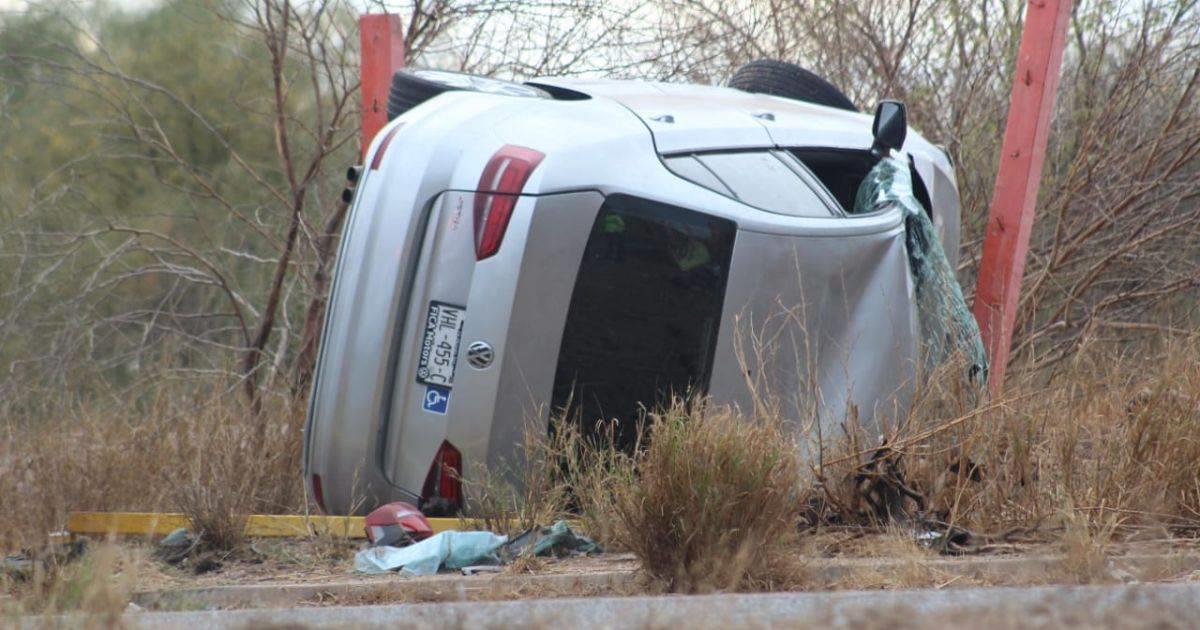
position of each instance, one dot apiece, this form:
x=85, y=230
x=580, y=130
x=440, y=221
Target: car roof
x=688, y=117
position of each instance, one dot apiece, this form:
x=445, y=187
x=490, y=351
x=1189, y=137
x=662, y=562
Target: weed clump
x=533, y=491
x=197, y=449
x=709, y=500
x=230, y=464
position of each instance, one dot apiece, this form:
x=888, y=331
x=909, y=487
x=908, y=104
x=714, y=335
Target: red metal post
x=1014, y=199
x=382, y=54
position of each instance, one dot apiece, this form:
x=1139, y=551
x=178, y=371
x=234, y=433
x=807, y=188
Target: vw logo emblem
x=480, y=354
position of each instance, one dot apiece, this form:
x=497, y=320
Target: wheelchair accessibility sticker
x=436, y=399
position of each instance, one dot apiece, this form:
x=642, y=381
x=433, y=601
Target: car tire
x=412, y=87
x=780, y=78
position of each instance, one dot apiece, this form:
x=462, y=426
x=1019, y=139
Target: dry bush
x=1107, y=442
x=1084, y=546
x=533, y=491
x=230, y=465
x=194, y=448
x=708, y=502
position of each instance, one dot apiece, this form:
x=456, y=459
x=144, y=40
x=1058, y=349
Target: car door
x=819, y=321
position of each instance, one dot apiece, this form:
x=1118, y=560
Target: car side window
x=645, y=313
x=842, y=172
x=756, y=178
x=689, y=168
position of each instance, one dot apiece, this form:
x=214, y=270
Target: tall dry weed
x=1114, y=434
x=707, y=502
x=532, y=491
x=168, y=447
x=230, y=463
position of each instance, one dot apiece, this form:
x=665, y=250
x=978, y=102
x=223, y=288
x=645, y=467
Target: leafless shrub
x=247, y=239
x=706, y=503
x=1100, y=446
x=192, y=449
x=533, y=491
x=1116, y=256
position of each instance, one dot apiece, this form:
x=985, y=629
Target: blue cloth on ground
x=453, y=550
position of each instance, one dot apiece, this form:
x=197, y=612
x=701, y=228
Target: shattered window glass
x=948, y=329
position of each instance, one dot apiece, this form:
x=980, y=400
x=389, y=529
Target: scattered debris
x=17, y=566
x=482, y=568
x=557, y=540
x=21, y=566
x=883, y=489
x=181, y=548
x=947, y=539
x=206, y=563
x=883, y=496
x=453, y=550
x=179, y=538
x=473, y=552
x=177, y=546
x=397, y=524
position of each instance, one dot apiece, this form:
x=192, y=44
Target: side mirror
x=890, y=126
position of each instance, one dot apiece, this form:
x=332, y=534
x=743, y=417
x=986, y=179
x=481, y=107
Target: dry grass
x=533, y=491
x=709, y=502
x=1100, y=452
x=1109, y=443
x=1084, y=545
x=99, y=583
x=185, y=449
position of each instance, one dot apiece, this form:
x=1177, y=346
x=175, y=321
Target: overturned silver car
x=515, y=250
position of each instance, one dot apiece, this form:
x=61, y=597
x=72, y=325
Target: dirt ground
x=319, y=572
x=834, y=560
x=292, y=562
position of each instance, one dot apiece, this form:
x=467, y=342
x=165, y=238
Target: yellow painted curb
x=257, y=525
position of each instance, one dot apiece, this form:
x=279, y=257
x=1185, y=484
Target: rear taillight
x=318, y=493
x=443, y=484
x=502, y=180
x=383, y=145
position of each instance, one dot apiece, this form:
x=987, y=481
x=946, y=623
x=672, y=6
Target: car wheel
x=413, y=87
x=780, y=78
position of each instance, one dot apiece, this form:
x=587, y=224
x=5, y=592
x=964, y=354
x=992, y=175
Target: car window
x=756, y=178
x=842, y=171
x=760, y=179
x=689, y=168
x=644, y=315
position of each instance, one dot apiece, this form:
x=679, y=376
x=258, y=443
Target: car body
x=661, y=240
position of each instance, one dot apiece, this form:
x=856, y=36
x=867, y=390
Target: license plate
x=439, y=347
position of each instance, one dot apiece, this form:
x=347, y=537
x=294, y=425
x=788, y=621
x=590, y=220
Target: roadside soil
x=835, y=560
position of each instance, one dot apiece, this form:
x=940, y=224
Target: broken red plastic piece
x=389, y=521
